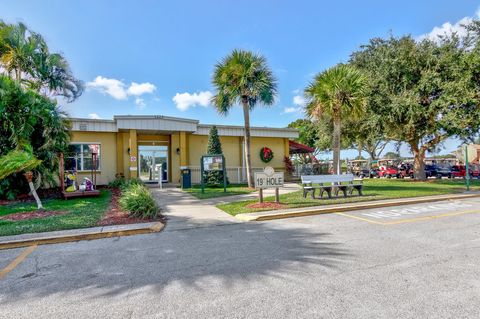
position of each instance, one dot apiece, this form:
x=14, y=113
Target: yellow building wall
x=108, y=154
x=198, y=146
x=232, y=150
x=175, y=158
x=276, y=144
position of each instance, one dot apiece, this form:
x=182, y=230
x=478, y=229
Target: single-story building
x=154, y=146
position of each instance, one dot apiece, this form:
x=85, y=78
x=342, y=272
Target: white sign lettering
x=396, y=213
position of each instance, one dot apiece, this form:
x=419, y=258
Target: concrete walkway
x=184, y=211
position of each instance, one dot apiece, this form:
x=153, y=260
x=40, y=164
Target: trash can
x=186, y=178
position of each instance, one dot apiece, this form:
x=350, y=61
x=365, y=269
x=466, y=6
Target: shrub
x=118, y=182
x=123, y=184
x=138, y=201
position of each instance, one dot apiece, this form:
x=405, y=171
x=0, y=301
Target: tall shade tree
x=244, y=78
x=424, y=91
x=338, y=92
x=24, y=55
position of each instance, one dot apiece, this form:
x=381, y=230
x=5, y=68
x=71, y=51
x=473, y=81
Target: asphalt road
x=418, y=261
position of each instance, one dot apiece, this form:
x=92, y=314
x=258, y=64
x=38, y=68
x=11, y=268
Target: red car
x=388, y=172
x=458, y=171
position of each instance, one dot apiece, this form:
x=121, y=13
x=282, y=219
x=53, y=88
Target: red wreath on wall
x=266, y=154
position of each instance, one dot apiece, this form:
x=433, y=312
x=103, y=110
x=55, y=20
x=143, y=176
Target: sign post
x=467, y=173
x=268, y=179
x=213, y=163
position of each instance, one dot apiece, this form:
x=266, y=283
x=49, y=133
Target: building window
x=79, y=157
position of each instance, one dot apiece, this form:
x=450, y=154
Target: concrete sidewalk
x=184, y=211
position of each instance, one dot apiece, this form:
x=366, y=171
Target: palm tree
x=244, y=78
x=25, y=56
x=337, y=92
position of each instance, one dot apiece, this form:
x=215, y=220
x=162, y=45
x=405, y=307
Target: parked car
x=474, y=170
x=431, y=170
x=458, y=171
x=388, y=172
x=374, y=173
x=444, y=171
x=405, y=170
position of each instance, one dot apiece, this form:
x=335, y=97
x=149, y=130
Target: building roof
x=298, y=148
x=159, y=124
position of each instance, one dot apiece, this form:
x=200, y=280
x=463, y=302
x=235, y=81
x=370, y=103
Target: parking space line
x=17, y=261
x=360, y=218
x=401, y=221
x=410, y=220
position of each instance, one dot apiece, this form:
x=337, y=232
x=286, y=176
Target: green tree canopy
x=24, y=55
x=423, y=92
x=27, y=117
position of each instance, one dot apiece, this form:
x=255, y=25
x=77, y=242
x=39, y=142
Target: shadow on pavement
x=195, y=258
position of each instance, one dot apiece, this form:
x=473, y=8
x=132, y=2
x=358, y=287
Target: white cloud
x=448, y=28
x=140, y=88
x=184, y=101
x=288, y=110
x=140, y=103
x=94, y=116
x=299, y=100
x=118, y=89
x=113, y=87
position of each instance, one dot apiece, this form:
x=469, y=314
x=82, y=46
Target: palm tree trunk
x=248, y=158
x=29, y=177
x=336, y=144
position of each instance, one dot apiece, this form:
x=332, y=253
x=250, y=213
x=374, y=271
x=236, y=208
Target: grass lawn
x=211, y=192
x=82, y=212
x=374, y=189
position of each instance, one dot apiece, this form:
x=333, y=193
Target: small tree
x=21, y=160
x=214, y=147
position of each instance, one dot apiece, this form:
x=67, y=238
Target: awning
x=298, y=148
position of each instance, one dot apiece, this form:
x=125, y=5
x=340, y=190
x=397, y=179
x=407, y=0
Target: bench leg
x=344, y=191
x=359, y=189
x=329, y=192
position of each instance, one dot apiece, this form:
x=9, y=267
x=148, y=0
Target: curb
x=157, y=227
x=310, y=211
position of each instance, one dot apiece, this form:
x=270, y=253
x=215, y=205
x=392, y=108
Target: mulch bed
x=267, y=205
x=115, y=215
x=33, y=215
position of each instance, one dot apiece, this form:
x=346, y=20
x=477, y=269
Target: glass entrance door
x=153, y=163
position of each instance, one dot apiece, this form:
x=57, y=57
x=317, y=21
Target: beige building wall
x=112, y=156
x=175, y=158
x=108, y=154
x=277, y=145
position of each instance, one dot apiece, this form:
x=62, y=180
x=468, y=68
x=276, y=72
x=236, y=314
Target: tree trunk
x=29, y=177
x=248, y=158
x=419, y=164
x=336, y=145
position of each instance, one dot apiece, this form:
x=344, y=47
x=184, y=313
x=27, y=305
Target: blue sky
x=156, y=57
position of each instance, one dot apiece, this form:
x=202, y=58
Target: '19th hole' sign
x=268, y=179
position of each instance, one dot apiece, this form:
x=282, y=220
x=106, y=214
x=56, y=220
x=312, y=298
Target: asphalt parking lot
x=416, y=261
